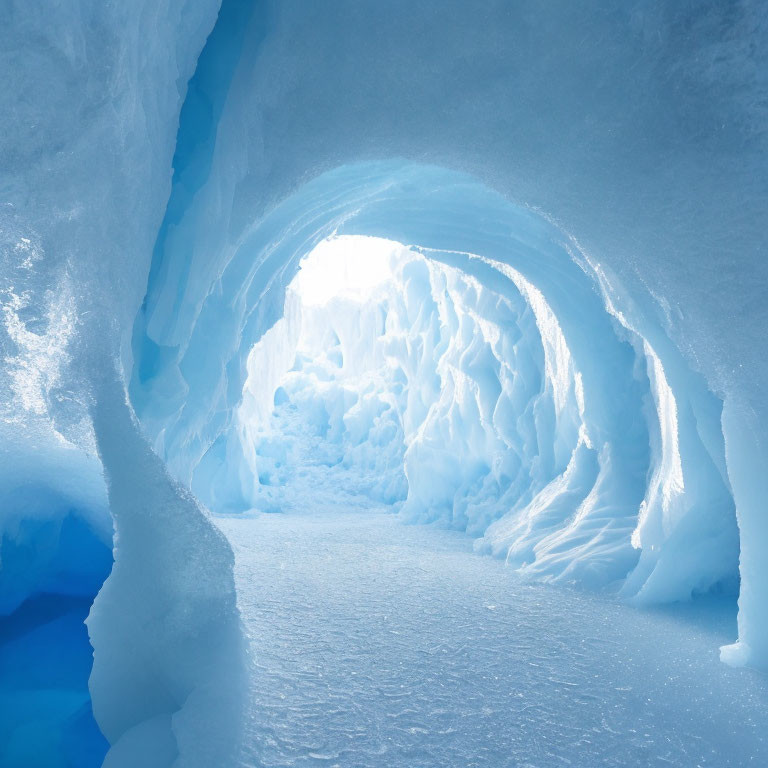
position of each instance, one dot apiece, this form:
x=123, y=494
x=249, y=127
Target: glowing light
x=350, y=267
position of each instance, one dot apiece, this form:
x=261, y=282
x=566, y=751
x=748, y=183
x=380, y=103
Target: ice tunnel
x=556, y=218
x=582, y=450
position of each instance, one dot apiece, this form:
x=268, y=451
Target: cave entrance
x=393, y=382
x=548, y=413
x=392, y=379
x=327, y=405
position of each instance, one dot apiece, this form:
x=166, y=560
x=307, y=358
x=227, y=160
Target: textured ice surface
x=639, y=130
x=378, y=644
x=166, y=679
x=607, y=160
x=450, y=387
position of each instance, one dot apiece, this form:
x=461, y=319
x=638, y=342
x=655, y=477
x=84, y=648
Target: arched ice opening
x=582, y=193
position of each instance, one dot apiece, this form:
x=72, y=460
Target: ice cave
x=383, y=383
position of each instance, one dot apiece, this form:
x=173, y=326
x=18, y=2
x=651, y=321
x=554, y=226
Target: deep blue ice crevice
x=201, y=111
x=55, y=552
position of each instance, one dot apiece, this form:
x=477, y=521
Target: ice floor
x=376, y=643
x=373, y=643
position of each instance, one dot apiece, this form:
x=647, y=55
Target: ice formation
x=566, y=359
x=90, y=105
x=452, y=391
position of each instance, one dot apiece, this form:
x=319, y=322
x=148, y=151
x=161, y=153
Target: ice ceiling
x=567, y=359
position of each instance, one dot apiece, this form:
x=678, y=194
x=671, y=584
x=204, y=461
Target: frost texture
x=600, y=169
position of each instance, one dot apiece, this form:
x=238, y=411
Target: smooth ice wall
x=639, y=129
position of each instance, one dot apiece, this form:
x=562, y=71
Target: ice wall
x=90, y=101
x=577, y=526
x=558, y=463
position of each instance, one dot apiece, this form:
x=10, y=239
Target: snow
x=363, y=652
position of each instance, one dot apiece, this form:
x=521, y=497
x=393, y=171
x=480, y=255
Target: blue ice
x=383, y=383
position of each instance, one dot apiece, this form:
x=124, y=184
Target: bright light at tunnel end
x=351, y=267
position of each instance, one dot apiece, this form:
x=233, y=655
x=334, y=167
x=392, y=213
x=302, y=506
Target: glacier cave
x=383, y=383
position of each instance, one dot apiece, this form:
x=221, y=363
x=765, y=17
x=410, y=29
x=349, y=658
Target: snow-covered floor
x=373, y=643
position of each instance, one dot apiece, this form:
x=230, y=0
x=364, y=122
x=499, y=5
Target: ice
x=410, y=649
x=452, y=394
x=638, y=132
x=45, y=706
x=563, y=357
x=90, y=99
x=168, y=664
x=623, y=442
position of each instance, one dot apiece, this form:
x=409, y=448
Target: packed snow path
x=373, y=643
